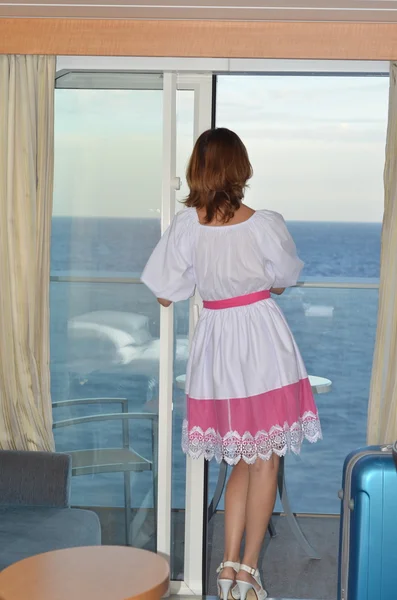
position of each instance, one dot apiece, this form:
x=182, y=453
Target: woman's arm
x=277, y=291
x=165, y=303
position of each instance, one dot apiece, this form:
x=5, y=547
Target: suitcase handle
x=394, y=451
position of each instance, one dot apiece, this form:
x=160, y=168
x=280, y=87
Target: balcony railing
x=334, y=323
x=357, y=284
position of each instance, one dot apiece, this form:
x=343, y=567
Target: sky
x=316, y=144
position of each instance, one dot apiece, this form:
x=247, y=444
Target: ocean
x=335, y=330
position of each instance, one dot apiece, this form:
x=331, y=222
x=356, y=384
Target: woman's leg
x=235, y=509
x=262, y=490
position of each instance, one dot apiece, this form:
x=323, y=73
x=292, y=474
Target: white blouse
x=223, y=262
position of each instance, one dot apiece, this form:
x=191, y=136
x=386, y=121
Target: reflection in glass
x=104, y=325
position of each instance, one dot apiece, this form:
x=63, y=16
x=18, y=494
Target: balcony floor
x=287, y=572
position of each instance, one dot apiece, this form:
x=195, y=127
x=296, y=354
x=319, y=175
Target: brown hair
x=217, y=174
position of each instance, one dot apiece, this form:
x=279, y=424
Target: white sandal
x=248, y=590
x=225, y=585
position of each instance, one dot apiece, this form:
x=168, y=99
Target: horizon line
x=158, y=219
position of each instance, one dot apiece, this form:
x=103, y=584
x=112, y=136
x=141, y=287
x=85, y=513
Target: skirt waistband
x=237, y=301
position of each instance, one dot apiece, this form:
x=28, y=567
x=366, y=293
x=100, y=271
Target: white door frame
x=194, y=505
x=201, y=85
x=166, y=373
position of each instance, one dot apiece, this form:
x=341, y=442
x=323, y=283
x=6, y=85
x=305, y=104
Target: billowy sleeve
x=280, y=252
x=169, y=271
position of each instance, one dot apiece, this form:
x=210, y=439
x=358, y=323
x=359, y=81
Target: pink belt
x=238, y=301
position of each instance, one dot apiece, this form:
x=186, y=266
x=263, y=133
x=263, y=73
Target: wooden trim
x=211, y=39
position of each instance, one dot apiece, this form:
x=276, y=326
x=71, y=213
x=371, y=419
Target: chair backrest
x=34, y=479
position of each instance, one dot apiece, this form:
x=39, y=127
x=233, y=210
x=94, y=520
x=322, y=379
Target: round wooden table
x=319, y=385
x=96, y=573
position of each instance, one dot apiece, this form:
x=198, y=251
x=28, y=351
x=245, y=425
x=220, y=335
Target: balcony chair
x=113, y=460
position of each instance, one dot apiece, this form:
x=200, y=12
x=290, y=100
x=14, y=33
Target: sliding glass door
x=123, y=139
x=122, y=143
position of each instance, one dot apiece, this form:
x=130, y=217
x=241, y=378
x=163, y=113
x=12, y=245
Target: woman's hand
x=163, y=302
x=277, y=291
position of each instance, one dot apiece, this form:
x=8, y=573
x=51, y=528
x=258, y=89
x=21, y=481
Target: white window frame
x=218, y=65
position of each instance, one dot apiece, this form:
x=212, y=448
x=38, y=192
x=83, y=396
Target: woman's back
x=223, y=261
x=228, y=260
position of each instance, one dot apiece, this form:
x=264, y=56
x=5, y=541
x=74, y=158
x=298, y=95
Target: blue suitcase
x=368, y=531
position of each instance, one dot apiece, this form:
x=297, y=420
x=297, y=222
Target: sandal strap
x=250, y=570
x=228, y=563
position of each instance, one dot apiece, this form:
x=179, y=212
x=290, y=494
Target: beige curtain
x=26, y=182
x=382, y=413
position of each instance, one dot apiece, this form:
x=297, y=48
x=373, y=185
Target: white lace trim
x=233, y=446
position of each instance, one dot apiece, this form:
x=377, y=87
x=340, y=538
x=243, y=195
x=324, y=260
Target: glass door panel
x=111, y=346
x=104, y=323
x=316, y=144
x=120, y=140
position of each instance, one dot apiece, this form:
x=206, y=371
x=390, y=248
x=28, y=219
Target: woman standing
x=249, y=400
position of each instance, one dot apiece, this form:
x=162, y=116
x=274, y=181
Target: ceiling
x=378, y=11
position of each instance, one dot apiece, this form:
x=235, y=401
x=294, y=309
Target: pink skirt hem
x=276, y=421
